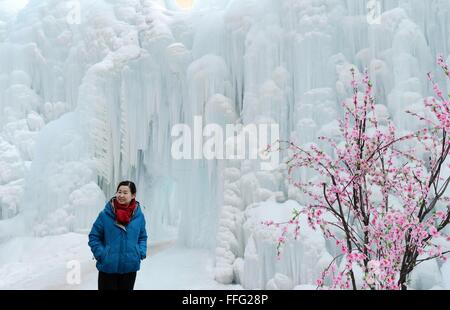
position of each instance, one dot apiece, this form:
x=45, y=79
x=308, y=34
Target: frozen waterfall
x=90, y=91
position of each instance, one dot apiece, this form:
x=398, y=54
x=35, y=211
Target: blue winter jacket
x=117, y=248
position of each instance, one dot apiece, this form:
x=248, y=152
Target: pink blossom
x=441, y=214
x=434, y=232
x=379, y=233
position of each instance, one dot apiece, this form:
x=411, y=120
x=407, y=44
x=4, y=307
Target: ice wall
x=123, y=73
x=296, y=59
x=89, y=95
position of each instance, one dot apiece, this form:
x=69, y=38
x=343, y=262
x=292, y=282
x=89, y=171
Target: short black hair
x=129, y=184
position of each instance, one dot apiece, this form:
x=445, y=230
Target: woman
x=118, y=240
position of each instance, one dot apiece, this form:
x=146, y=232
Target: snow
x=52, y=262
x=193, y=272
x=9, y=8
x=298, y=263
x=279, y=282
x=445, y=269
x=426, y=275
x=40, y=263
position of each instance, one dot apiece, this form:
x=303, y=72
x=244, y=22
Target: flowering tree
x=377, y=197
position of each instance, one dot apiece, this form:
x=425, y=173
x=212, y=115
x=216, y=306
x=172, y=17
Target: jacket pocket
x=105, y=253
x=138, y=251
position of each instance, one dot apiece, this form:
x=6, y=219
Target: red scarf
x=124, y=212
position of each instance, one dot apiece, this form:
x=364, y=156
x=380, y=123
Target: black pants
x=116, y=281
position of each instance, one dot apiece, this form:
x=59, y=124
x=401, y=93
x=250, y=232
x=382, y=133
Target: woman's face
x=124, y=195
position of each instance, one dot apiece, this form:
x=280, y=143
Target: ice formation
x=89, y=94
